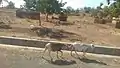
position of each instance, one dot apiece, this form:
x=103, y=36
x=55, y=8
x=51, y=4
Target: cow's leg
x=57, y=55
x=84, y=53
x=76, y=53
x=72, y=48
x=61, y=54
x=44, y=52
x=71, y=53
x=49, y=52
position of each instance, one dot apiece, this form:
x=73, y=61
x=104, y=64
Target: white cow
x=81, y=47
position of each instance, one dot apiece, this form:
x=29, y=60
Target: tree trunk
x=39, y=20
x=46, y=17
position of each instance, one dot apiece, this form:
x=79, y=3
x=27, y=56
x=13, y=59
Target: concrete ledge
x=15, y=47
x=40, y=44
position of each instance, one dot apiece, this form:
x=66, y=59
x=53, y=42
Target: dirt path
x=28, y=58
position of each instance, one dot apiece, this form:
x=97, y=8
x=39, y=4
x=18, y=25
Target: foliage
x=54, y=6
x=94, y=12
x=69, y=10
x=3, y=0
x=87, y=9
x=44, y=6
x=114, y=7
x=106, y=11
x=10, y=5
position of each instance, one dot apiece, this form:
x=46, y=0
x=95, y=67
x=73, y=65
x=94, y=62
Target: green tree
x=87, y=9
x=114, y=7
x=10, y=5
x=3, y=0
x=108, y=1
x=94, y=12
x=77, y=10
x=69, y=10
x=106, y=11
x=45, y=6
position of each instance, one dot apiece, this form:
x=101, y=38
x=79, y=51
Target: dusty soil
x=11, y=57
x=82, y=29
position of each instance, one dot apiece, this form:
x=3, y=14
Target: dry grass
x=80, y=29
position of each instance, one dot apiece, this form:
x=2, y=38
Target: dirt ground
x=11, y=57
x=82, y=29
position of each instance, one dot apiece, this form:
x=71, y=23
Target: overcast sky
x=73, y=3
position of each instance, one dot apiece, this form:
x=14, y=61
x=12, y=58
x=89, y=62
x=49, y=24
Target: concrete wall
x=41, y=43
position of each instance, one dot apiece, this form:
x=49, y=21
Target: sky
x=84, y=3
x=73, y=3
